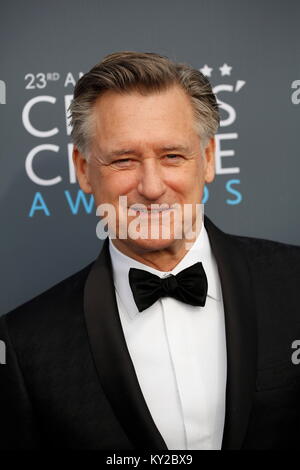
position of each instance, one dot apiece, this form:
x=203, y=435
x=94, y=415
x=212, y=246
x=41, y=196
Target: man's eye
x=122, y=162
x=173, y=156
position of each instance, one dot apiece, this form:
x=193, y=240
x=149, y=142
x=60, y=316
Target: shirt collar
x=199, y=251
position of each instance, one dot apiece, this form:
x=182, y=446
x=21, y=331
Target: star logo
x=206, y=70
x=225, y=70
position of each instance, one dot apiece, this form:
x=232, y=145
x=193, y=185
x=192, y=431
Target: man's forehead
x=131, y=132
x=138, y=148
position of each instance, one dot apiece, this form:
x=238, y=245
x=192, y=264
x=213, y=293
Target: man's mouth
x=150, y=210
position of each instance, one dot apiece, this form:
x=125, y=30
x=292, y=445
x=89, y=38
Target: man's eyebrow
x=165, y=148
x=118, y=153
x=173, y=148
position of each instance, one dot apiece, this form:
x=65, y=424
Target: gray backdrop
x=44, y=47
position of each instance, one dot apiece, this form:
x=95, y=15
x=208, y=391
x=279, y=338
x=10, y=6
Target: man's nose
x=151, y=185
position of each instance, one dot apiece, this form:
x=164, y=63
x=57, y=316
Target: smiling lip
x=149, y=209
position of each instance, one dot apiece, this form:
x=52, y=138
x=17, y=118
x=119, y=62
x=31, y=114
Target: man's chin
x=146, y=245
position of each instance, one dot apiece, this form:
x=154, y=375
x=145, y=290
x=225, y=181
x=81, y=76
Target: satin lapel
x=240, y=327
x=112, y=359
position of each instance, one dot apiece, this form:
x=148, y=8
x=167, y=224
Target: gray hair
x=146, y=73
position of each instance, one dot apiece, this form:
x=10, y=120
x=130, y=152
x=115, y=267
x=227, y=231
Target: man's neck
x=163, y=259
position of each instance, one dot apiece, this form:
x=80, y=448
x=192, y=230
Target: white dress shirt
x=178, y=352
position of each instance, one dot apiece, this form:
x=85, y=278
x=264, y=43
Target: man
x=177, y=342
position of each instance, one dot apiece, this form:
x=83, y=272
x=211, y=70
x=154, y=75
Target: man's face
x=146, y=148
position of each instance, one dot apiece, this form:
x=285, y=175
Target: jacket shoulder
x=274, y=269
x=52, y=307
x=270, y=254
x=258, y=250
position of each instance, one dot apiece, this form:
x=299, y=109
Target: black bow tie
x=189, y=286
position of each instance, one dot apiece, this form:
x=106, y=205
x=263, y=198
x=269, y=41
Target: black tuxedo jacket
x=69, y=381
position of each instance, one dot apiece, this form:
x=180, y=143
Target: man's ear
x=81, y=167
x=209, y=160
